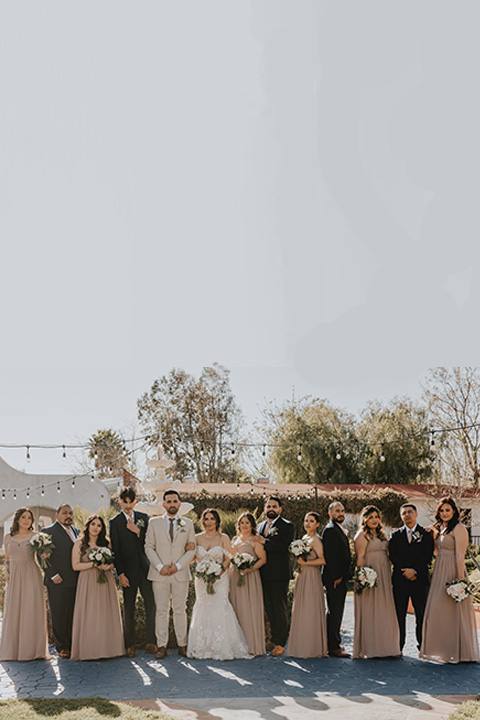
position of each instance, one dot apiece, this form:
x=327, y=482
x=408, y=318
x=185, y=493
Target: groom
x=411, y=550
x=170, y=547
x=276, y=534
x=335, y=575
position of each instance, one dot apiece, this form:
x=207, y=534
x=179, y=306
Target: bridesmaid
x=247, y=599
x=376, y=632
x=97, y=626
x=24, y=629
x=308, y=630
x=449, y=628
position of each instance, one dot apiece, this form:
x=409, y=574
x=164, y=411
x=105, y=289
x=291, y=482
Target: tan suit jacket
x=160, y=549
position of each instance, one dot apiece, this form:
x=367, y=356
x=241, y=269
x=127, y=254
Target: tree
x=313, y=442
x=453, y=398
x=397, y=443
x=107, y=450
x=198, y=421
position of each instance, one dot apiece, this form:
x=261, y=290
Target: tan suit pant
x=172, y=593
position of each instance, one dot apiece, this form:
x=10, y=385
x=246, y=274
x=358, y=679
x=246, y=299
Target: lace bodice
x=216, y=552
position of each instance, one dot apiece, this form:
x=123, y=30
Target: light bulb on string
x=14, y=494
x=382, y=456
x=92, y=477
x=264, y=450
x=338, y=455
x=3, y=494
x=28, y=454
x=42, y=493
x=64, y=454
x=95, y=454
x=27, y=494
x=432, y=439
x=58, y=487
x=232, y=450
x=73, y=484
x=299, y=456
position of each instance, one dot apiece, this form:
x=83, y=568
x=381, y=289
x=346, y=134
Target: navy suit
x=338, y=564
x=61, y=596
x=130, y=560
x=417, y=555
x=275, y=575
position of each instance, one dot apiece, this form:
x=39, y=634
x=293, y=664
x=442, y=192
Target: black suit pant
x=403, y=590
x=275, y=599
x=336, y=606
x=129, y=598
x=62, y=602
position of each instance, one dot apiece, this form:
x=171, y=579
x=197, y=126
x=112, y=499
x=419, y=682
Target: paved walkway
x=259, y=688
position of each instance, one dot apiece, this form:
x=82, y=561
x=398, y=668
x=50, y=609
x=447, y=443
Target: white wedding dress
x=214, y=629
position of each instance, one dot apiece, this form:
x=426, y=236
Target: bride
x=214, y=630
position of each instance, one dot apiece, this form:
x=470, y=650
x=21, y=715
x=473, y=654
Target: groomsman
x=276, y=534
x=170, y=547
x=127, y=535
x=411, y=551
x=61, y=579
x=336, y=573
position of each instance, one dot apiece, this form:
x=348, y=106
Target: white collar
x=129, y=516
x=411, y=530
x=171, y=517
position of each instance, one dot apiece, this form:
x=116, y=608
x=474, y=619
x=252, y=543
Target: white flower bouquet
x=209, y=570
x=459, y=589
x=101, y=556
x=365, y=578
x=243, y=561
x=42, y=544
x=300, y=549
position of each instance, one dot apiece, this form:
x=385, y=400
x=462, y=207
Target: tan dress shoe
x=269, y=646
x=278, y=650
x=130, y=652
x=339, y=653
x=151, y=648
x=161, y=653
x=64, y=653
x=182, y=650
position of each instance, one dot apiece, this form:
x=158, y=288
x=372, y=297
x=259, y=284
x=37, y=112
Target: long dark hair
x=215, y=514
x=447, y=500
x=15, y=527
x=251, y=520
x=369, y=534
x=102, y=540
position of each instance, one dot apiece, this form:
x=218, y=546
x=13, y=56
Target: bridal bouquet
x=243, y=561
x=209, y=570
x=42, y=544
x=300, y=549
x=459, y=589
x=101, y=556
x=365, y=578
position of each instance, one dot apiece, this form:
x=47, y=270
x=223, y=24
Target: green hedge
x=296, y=505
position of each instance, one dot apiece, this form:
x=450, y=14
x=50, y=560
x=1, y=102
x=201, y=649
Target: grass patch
x=467, y=711
x=81, y=709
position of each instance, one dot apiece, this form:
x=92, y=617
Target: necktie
x=409, y=535
x=172, y=520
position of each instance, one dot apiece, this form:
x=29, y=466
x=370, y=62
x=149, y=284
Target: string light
x=64, y=453
x=73, y=484
x=233, y=449
x=42, y=492
x=14, y=494
x=264, y=450
x=3, y=494
x=27, y=494
x=58, y=487
x=432, y=439
x=299, y=456
x=338, y=455
x=382, y=456
x=28, y=453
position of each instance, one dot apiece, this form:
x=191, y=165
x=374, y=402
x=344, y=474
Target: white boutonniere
x=417, y=536
x=272, y=532
x=181, y=523
x=140, y=523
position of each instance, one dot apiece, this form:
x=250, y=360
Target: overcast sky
x=288, y=188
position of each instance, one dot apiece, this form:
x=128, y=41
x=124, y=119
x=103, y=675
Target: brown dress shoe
x=269, y=646
x=339, y=653
x=130, y=652
x=278, y=650
x=64, y=653
x=151, y=648
x=161, y=653
x=182, y=650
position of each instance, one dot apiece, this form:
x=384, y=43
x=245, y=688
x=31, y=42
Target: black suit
x=61, y=596
x=276, y=574
x=417, y=555
x=338, y=564
x=130, y=560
